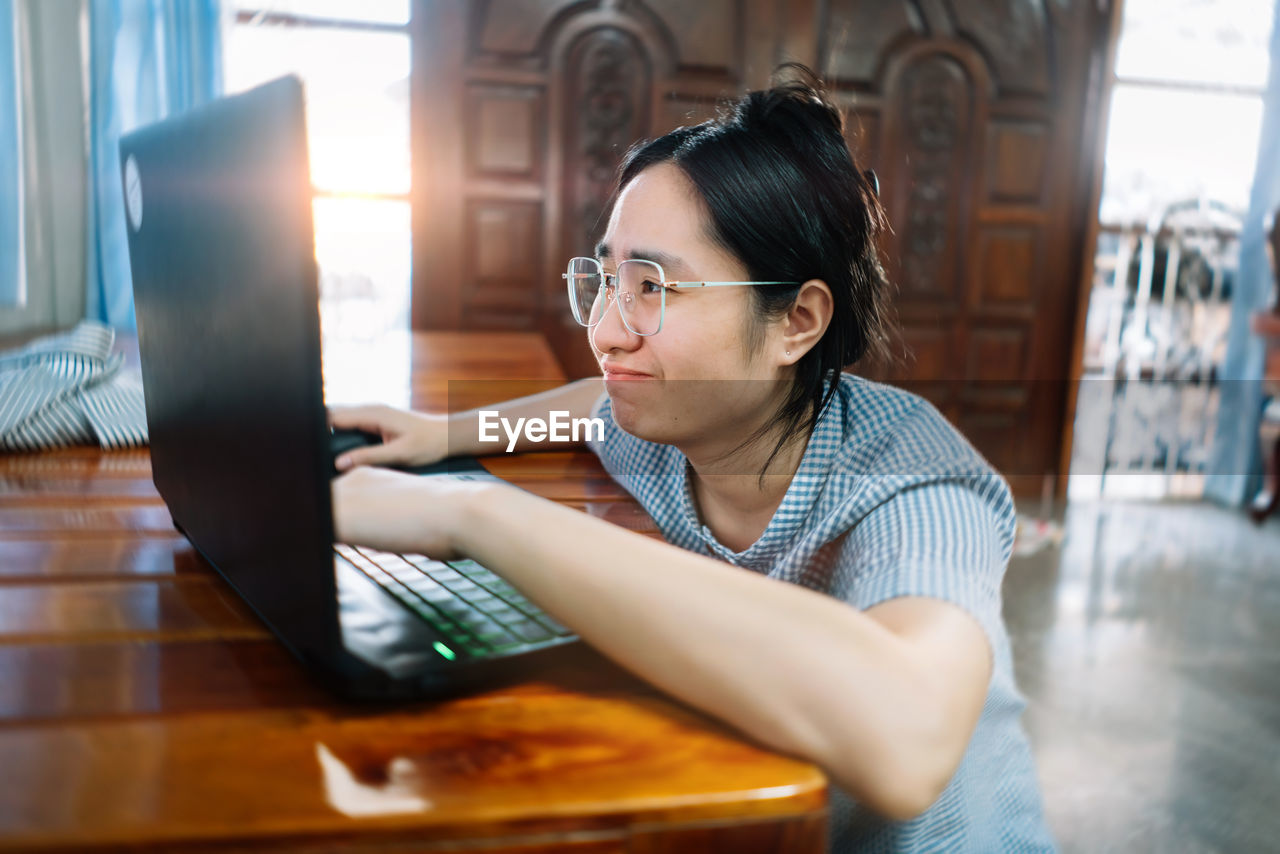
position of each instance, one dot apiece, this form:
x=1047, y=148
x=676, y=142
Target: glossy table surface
x=142, y=704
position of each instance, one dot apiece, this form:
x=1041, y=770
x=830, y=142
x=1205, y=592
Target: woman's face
x=697, y=384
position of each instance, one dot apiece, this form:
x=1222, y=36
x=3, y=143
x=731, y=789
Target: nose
x=611, y=333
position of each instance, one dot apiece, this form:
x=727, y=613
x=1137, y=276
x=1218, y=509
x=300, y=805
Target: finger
x=368, y=418
x=371, y=455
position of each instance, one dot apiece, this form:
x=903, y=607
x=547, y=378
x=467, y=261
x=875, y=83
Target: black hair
x=784, y=196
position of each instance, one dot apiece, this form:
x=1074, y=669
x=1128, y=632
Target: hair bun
x=797, y=94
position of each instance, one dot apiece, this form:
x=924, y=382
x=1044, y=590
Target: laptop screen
x=218, y=205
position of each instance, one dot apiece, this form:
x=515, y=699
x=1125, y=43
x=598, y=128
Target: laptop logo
x=133, y=193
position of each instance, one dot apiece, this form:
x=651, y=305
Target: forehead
x=659, y=202
x=660, y=211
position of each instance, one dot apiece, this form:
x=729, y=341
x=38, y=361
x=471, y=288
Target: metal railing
x=1155, y=341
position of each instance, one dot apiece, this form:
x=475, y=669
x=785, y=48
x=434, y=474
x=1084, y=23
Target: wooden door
x=976, y=114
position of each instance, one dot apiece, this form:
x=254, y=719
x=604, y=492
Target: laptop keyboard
x=475, y=609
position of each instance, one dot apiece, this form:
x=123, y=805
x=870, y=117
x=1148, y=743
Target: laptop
x=226, y=294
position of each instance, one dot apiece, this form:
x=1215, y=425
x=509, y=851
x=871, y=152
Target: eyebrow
x=664, y=259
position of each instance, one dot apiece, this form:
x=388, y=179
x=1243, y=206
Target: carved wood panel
x=607, y=82
x=971, y=111
x=548, y=95
x=931, y=117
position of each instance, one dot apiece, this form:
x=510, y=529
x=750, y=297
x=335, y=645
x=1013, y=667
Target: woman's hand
x=399, y=512
x=408, y=438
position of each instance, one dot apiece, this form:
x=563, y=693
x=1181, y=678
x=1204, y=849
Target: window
x=1186, y=108
x=353, y=59
x=1182, y=145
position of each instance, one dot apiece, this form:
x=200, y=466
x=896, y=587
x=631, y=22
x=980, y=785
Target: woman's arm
x=885, y=700
x=576, y=398
x=418, y=438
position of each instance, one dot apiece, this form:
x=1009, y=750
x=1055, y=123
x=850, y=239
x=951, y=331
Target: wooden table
x=142, y=705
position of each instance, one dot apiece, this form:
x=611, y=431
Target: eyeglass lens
x=637, y=287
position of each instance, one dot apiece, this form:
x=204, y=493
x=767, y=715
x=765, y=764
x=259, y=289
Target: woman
x=866, y=633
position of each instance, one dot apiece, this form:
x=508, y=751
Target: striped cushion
x=69, y=389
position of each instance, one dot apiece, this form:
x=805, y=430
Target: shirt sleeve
x=947, y=540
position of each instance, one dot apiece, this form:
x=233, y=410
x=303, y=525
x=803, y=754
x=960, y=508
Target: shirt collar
x=798, y=502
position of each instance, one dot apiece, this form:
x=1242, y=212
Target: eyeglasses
x=639, y=288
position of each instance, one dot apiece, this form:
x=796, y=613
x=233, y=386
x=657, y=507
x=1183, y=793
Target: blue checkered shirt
x=889, y=500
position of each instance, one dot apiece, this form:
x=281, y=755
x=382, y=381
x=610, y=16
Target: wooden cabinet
x=978, y=115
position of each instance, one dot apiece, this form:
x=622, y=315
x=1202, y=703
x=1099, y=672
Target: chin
x=627, y=414
x=644, y=420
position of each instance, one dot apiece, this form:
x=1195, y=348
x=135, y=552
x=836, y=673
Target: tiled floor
x=1148, y=646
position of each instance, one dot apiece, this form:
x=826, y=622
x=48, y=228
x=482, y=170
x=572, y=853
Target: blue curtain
x=148, y=59
x=11, y=231
x=1236, y=466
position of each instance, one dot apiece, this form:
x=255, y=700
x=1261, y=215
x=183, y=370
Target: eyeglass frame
x=662, y=280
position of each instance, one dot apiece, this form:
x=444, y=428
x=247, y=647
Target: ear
x=806, y=321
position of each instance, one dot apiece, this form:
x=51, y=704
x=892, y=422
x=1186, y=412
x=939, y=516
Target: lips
x=614, y=373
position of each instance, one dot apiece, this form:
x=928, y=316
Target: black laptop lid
x=218, y=210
